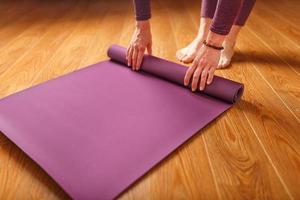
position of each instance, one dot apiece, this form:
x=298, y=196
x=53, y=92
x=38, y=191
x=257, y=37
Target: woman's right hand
x=141, y=40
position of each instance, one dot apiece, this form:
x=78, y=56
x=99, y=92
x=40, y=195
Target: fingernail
x=193, y=89
x=201, y=88
x=185, y=83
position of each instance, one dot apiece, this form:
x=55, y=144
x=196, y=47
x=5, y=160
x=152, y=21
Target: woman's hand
x=205, y=63
x=141, y=40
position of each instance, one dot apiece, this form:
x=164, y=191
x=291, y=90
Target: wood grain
x=251, y=152
x=235, y=150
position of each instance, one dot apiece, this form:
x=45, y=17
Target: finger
x=196, y=78
x=203, y=78
x=211, y=73
x=134, y=57
x=129, y=56
x=149, y=49
x=139, y=59
x=127, y=52
x=189, y=73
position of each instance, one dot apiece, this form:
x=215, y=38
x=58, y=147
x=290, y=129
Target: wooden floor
x=250, y=152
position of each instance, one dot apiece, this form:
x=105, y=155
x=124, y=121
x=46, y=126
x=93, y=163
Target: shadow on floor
x=265, y=58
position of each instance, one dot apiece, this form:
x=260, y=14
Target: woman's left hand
x=203, y=68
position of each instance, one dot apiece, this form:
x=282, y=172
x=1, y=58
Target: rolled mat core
x=221, y=88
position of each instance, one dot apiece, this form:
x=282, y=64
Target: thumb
x=149, y=49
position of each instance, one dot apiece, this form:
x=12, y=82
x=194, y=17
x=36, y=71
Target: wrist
x=144, y=24
x=215, y=39
x=206, y=44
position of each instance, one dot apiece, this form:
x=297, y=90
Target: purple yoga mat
x=97, y=130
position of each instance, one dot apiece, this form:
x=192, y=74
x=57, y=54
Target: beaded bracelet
x=212, y=46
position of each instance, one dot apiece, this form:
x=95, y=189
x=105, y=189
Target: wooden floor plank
x=115, y=16
x=280, y=77
x=21, y=74
x=76, y=46
x=278, y=44
x=17, y=49
x=273, y=124
x=281, y=24
x=14, y=9
x=286, y=9
x=235, y=157
x=22, y=17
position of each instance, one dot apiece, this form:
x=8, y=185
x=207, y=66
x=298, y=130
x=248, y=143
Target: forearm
x=142, y=9
x=225, y=15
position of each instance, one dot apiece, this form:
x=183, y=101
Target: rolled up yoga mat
x=97, y=130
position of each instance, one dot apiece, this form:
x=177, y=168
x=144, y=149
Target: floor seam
x=267, y=155
x=275, y=92
x=278, y=31
x=282, y=18
x=27, y=51
x=266, y=45
x=211, y=168
x=52, y=57
x=269, y=158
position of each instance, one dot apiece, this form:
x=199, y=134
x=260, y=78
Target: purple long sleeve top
x=224, y=13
